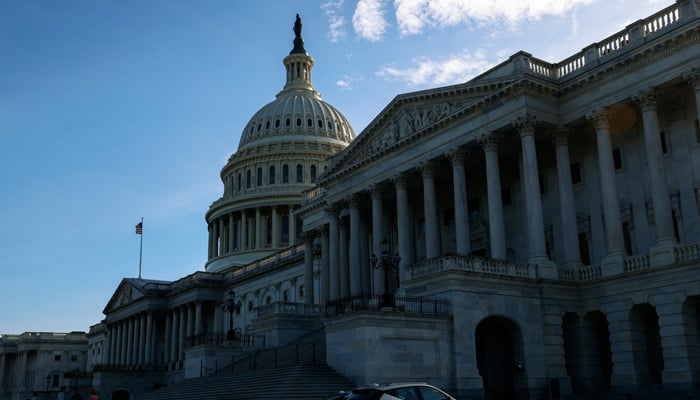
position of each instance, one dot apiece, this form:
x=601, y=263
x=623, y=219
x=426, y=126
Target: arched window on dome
x=300, y=173
x=277, y=123
x=240, y=181
x=267, y=125
x=330, y=125
x=285, y=173
x=248, y=179
x=309, y=123
x=259, y=180
x=298, y=121
x=313, y=173
x=271, y=175
x=288, y=122
x=320, y=123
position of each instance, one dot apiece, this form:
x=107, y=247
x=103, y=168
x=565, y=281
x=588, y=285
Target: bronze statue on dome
x=298, y=41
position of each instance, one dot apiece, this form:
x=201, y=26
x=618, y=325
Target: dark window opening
x=583, y=247
x=543, y=184
x=300, y=173
x=664, y=142
x=271, y=175
x=448, y=217
x=576, y=176
x=627, y=237
x=298, y=121
x=309, y=122
x=617, y=158
x=506, y=197
x=259, y=126
x=697, y=130
x=313, y=173
x=248, y=179
x=259, y=180
x=267, y=125
x=285, y=173
x=277, y=123
x=288, y=122
x=320, y=123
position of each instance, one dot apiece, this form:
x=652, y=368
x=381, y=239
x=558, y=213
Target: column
x=403, y=219
x=364, y=256
x=567, y=204
x=211, y=241
x=325, y=266
x=149, y=338
x=183, y=333
x=531, y=186
x=174, y=335
x=218, y=320
x=334, y=254
x=198, y=318
x=168, y=334
x=2, y=371
x=377, y=235
x=613, y=262
x=190, y=321
x=222, y=237
x=258, y=229
x=354, y=252
x=275, y=229
x=497, y=235
x=140, y=355
x=292, y=226
x=663, y=217
x=459, y=184
x=309, y=267
x=344, y=276
x=242, y=232
x=215, y=244
x=673, y=326
x=130, y=342
x=231, y=233
x=432, y=223
x=113, y=329
x=119, y=358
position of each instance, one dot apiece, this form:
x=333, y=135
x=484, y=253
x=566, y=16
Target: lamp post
x=387, y=263
x=48, y=380
x=231, y=307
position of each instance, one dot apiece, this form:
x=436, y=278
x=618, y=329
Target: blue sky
x=115, y=110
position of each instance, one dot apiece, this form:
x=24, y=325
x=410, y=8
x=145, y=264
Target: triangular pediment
x=127, y=292
x=411, y=115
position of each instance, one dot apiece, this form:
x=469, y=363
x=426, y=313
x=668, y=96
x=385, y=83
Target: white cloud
x=453, y=70
x=368, y=20
x=336, y=28
x=413, y=16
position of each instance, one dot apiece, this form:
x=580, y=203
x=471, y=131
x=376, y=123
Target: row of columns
x=131, y=341
x=340, y=283
x=241, y=230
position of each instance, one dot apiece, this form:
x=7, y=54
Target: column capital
x=489, y=141
x=599, y=119
x=376, y=190
x=525, y=124
x=332, y=210
x=400, y=180
x=645, y=99
x=309, y=236
x=456, y=156
x=427, y=168
x=693, y=78
x=353, y=201
x=561, y=134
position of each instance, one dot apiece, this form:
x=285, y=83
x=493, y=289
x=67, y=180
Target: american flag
x=139, y=228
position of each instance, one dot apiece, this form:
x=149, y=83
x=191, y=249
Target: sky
x=113, y=111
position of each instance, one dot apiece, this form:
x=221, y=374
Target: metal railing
x=218, y=339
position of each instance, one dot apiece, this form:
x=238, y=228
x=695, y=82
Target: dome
x=298, y=110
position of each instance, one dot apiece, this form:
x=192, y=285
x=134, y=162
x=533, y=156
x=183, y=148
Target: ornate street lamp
x=231, y=307
x=387, y=263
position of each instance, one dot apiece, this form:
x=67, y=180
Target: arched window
x=313, y=173
x=285, y=173
x=300, y=173
x=288, y=122
x=271, y=175
x=298, y=121
x=240, y=181
x=259, y=181
x=248, y=179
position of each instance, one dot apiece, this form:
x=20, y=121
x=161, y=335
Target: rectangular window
x=250, y=306
x=285, y=296
x=617, y=158
x=55, y=380
x=301, y=291
x=664, y=142
x=448, y=217
x=57, y=357
x=74, y=358
x=583, y=246
x=697, y=130
x=506, y=197
x=543, y=184
x=576, y=176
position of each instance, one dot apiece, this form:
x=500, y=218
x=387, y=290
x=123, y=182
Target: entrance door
x=495, y=357
x=121, y=395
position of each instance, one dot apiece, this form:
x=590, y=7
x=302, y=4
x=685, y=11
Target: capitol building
x=531, y=233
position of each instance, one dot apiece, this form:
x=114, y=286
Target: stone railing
x=687, y=253
x=281, y=307
x=637, y=263
x=590, y=272
x=614, y=44
x=270, y=262
x=475, y=264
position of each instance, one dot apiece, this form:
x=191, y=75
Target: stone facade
x=532, y=232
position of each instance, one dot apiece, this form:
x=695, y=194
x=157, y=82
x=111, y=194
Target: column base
x=612, y=264
x=663, y=253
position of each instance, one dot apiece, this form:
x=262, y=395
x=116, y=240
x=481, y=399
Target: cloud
x=336, y=28
x=459, y=68
x=344, y=83
x=368, y=20
x=412, y=16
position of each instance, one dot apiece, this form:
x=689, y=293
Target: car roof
x=389, y=386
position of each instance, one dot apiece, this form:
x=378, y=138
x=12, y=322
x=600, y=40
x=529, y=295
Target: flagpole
x=141, y=248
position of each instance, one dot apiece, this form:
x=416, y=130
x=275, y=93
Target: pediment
x=411, y=115
x=127, y=293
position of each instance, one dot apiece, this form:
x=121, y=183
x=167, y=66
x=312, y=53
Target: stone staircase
x=295, y=371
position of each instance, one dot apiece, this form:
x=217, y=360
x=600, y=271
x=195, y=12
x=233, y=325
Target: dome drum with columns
x=282, y=150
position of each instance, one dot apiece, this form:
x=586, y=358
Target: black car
x=394, y=391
